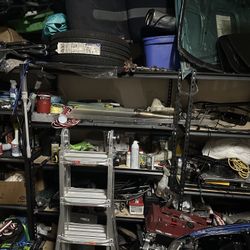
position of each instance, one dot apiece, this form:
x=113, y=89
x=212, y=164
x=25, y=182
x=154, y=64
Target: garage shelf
x=138, y=171
x=13, y=207
x=9, y=112
x=7, y=157
x=216, y=192
x=221, y=134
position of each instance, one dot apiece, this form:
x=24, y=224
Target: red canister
x=43, y=103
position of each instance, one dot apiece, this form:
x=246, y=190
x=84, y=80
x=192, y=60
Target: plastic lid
x=136, y=142
x=159, y=39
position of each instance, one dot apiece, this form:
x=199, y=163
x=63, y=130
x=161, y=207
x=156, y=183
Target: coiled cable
x=239, y=166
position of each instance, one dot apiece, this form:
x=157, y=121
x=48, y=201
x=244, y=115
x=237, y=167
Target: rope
x=239, y=166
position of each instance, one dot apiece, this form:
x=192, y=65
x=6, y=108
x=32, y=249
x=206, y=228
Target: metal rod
x=173, y=170
x=25, y=111
x=192, y=87
x=28, y=173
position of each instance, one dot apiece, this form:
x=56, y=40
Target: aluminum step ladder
x=78, y=233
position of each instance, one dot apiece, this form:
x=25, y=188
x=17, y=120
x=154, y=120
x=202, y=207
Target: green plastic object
x=201, y=23
x=30, y=23
x=82, y=146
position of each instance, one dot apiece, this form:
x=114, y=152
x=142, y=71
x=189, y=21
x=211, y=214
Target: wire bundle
x=239, y=166
x=67, y=122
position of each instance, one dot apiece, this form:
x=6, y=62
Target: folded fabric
x=228, y=148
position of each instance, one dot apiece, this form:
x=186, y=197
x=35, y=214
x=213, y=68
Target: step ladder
x=69, y=232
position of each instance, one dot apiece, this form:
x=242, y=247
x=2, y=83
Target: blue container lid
x=159, y=39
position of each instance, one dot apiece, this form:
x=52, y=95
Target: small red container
x=43, y=103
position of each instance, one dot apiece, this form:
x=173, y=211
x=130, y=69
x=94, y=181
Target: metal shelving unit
x=42, y=213
x=117, y=170
x=222, y=76
x=24, y=162
x=221, y=134
x=9, y=112
x=193, y=189
x=137, y=72
x=128, y=123
x=13, y=207
x=139, y=124
x=171, y=126
x=130, y=219
x=145, y=172
x=55, y=215
x=7, y=157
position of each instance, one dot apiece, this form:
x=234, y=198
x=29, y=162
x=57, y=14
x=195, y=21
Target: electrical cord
x=67, y=122
x=239, y=166
x=128, y=197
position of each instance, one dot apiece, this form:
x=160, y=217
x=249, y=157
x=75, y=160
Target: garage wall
x=129, y=92
x=140, y=92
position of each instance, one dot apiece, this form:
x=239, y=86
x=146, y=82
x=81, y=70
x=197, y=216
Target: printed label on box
x=79, y=48
x=136, y=210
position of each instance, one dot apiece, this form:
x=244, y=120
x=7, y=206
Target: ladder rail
x=82, y=234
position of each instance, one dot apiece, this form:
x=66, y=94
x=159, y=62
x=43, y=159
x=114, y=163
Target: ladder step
x=85, y=234
x=85, y=197
x=85, y=158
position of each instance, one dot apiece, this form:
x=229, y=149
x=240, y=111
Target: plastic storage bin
x=161, y=51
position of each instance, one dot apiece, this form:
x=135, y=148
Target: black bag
x=234, y=53
x=107, y=16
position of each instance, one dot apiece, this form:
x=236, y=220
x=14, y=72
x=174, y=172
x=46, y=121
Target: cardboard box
x=12, y=193
x=136, y=206
x=48, y=245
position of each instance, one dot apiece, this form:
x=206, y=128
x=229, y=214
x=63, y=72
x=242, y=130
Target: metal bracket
x=173, y=170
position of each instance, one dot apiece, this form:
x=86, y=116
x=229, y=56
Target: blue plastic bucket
x=161, y=51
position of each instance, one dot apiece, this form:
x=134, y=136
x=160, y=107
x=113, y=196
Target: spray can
x=135, y=155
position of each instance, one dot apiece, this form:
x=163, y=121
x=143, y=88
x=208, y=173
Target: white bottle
x=15, y=150
x=135, y=155
x=128, y=159
x=163, y=183
x=13, y=92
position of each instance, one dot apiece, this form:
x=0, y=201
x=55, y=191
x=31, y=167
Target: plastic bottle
x=163, y=183
x=128, y=159
x=168, y=152
x=15, y=150
x=135, y=155
x=13, y=92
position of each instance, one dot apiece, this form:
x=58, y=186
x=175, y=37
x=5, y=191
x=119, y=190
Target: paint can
x=43, y=103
